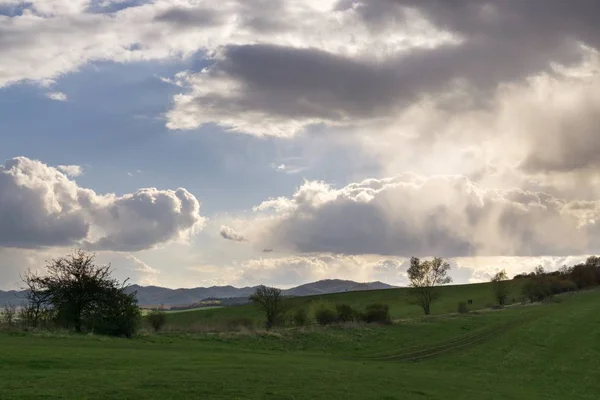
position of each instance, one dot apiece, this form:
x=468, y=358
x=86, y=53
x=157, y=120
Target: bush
x=537, y=289
x=325, y=316
x=157, y=319
x=119, y=316
x=323, y=312
x=462, y=307
x=300, y=317
x=379, y=313
x=558, y=285
x=346, y=313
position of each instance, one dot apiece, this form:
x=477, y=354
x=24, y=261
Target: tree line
x=76, y=294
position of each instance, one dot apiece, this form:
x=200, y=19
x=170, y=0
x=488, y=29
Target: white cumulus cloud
x=41, y=206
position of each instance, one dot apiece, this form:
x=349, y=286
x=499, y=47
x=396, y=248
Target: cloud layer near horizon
x=40, y=206
x=410, y=215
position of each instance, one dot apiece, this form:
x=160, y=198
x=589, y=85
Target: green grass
x=397, y=299
x=547, y=351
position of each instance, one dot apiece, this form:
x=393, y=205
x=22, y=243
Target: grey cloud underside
x=41, y=207
x=443, y=216
x=229, y=233
x=186, y=17
x=501, y=42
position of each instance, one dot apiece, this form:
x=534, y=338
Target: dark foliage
x=377, y=313
x=345, y=313
x=462, y=307
x=300, y=317
x=325, y=316
x=542, y=285
x=157, y=319
x=424, y=276
x=82, y=296
x=271, y=301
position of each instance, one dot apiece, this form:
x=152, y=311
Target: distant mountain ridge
x=156, y=295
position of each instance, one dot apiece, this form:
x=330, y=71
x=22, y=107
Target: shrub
x=323, y=312
x=157, y=319
x=379, y=313
x=346, y=313
x=325, y=316
x=462, y=307
x=537, y=289
x=300, y=317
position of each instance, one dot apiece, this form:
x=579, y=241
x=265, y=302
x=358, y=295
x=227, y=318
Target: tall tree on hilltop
x=424, y=276
x=500, y=287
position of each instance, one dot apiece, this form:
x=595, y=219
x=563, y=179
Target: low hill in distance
x=153, y=296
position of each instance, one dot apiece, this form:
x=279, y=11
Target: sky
x=195, y=143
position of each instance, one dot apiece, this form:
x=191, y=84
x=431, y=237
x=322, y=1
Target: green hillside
x=397, y=299
x=547, y=351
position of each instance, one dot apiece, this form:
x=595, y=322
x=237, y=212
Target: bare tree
x=500, y=287
x=424, y=276
x=37, y=300
x=271, y=301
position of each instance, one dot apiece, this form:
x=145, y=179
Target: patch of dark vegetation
x=75, y=294
x=157, y=319
x=542, y=285
x=463, y=308
x=377, y=313
x=325, y=316
x=300, y=317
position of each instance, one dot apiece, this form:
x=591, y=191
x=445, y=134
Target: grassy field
x=397, y=299
x=546, y=351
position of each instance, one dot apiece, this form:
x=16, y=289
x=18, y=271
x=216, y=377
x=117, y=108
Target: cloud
x=58, y=96
x=140, y=220
x=71, y=170
x=448, y=216
x=127, y=266
x=41, y=207
x=280, y=89
x=230, y=234
x=298, y=269
x=170, y=29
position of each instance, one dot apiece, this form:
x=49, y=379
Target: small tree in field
x=157, y=318
x=271, y=301
x=424, y=276
x=500, y=287
x=83, y=296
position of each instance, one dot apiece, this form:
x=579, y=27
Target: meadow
x=399, y=301
x=542, y=351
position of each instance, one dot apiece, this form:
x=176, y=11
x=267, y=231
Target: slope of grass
x=398, y=299
x=547, y=351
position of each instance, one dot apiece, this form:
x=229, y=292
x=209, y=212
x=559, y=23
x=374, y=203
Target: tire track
x=458, y=343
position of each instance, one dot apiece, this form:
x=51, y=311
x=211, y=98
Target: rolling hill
x=542, y=351
x=156, y=295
